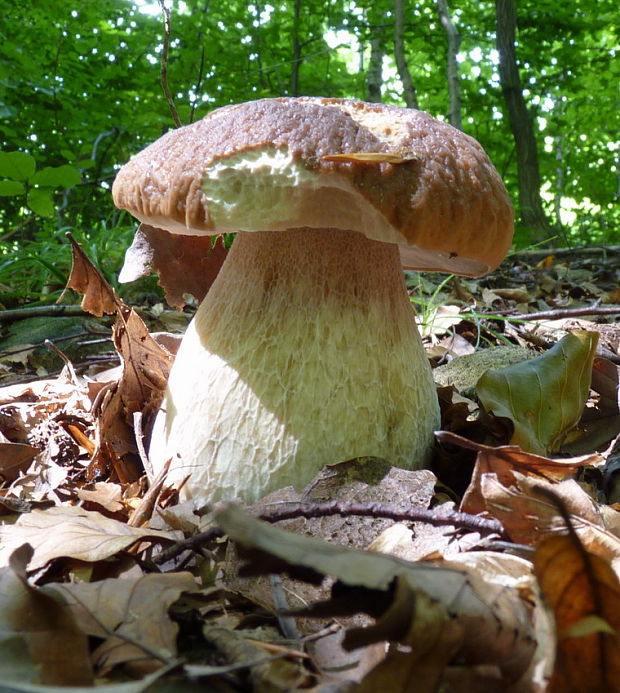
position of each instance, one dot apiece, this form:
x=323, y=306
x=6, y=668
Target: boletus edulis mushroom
x=305, y=350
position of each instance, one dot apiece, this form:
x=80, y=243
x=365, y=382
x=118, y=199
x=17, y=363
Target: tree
x=80, y=92
x=530, y=201
x=454, y=44
x=409, y=91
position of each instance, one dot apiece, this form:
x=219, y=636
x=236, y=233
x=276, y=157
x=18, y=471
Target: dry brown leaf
x=584, y=593
x=104, y=494
x=496, y=622
x=368, y=158
x=146, y=365
x=185, y=264
x=72, y=532
x=429, y=642
x=134, y=609
x=527, y=515
x=15, y=458
x=99, y=297
x=55, y=644
x=505, y=460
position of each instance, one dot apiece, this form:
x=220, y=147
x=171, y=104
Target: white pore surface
x=304, y=353
x=267, y=189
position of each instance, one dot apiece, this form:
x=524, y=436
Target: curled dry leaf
x=496, y=626
x=584, y=593
x=146, y=365
x=99, y=297
x=72, y=532
x=505, y=460
x=54, y=643
x=185, y=264
x=527, y=515
x=545, y=396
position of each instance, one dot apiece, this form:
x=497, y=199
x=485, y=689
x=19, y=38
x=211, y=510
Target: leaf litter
x=496, y=570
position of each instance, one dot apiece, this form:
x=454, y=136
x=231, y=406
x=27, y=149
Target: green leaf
x=545, y=396
x=16, y=165
x=9, y=188
x=55, y=176
x=40, y=201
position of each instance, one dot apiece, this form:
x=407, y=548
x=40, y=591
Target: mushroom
x=305, y=350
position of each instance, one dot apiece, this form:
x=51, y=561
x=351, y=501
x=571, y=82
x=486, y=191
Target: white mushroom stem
x=304, y=353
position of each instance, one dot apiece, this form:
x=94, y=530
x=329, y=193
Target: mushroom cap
x=395, y=174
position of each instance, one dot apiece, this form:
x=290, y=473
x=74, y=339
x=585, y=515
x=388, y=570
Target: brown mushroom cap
x=395, y=174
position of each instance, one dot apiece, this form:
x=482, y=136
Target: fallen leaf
x=15, y=458
x=424, y=651
x=504, y=460
x=185, y=264
x=584, y=593
x=131, y=615
x=103, y=494
x=545, y=396
x=99, y=297
x=496, y=623
x=146, y=365
x=368, y=158
x=71, y=532
x=54, y=644
x=527, y=515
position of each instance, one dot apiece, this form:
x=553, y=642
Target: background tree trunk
x=409, y=90
x=530, y=203
x=374, y=75
x=454, y=44
x=297, y=59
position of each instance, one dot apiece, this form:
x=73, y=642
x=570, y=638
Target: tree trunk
x=454, y=43
x=530, y=203
x=374, y=75
x=409, y=90
x=297, y=59
x=559, y=179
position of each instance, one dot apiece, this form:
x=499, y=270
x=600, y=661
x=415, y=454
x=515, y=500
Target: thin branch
x=164, y=65
x=557, y=314
x=376, y=510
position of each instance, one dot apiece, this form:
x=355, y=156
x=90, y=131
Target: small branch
x=164, y=65
x=558, y=314
x=379, y=510
x=586, y=250
x=52, y=310
x=375, y=510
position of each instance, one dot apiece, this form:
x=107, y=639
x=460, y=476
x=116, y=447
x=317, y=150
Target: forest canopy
x=81, y=91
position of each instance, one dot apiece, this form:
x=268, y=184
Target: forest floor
x=496, y=570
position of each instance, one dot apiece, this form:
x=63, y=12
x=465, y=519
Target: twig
x=557, y=314
x=588, y=250
x=380, y=510
x=376, y=510
x=164, y=65
x=61, y=355
x=53, y=310
x=144, y=510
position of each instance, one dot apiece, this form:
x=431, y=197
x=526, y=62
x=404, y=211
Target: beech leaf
x=99, y=296
x=131, y=615
x=73, y=532
x=545, y=396
x=584, y=593
x=45, y=626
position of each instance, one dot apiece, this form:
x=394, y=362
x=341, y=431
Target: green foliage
x=80, y=92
